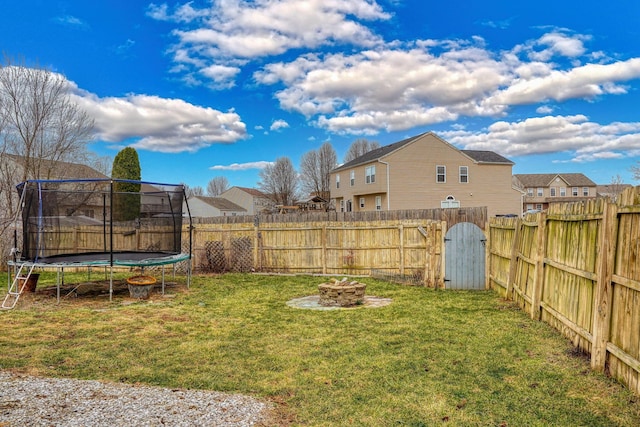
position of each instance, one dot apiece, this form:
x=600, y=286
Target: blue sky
x=220, y=88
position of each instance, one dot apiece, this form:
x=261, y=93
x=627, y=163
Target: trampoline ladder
x=17, y=286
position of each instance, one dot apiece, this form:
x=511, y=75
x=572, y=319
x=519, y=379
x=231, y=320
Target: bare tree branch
x=40, y=125
x=279, y=181
x=217, y=186
x=314, y=170
x=358, y=148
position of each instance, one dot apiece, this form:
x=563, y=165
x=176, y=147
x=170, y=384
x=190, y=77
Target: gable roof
x=252, y=191
x=378, y=153
x=221, y=203
x=545, y=179
x=486, y=157
x=62, y=169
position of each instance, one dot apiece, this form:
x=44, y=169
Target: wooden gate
x=464, y=257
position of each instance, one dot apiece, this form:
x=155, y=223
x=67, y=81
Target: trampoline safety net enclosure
x=102, y=221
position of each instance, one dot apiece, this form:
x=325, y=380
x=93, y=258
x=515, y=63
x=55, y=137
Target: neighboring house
x=252, y=200
x=541, y=189
x=313, y=203
x=611, y=190
x=51, y=169
x=424, y=172
x=12, y=171
x=156, y=201
x=204, y=207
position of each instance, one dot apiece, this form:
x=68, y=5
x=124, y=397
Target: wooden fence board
x=586, y=265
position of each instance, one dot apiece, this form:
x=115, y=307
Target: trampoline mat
x=119, y=258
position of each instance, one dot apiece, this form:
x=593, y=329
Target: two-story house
x=424, y=172
x=252, y=200
x=541, y=189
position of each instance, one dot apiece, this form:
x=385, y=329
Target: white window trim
x=378, y=203
x=361, y=202
x=460, y=175
x=370, y=174
x=444, y=174
x=337, y=181
x=352, y=178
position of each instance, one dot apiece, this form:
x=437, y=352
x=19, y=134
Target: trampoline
x=107, y=223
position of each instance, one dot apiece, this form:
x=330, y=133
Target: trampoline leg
x=163, y=280
x=58, y=284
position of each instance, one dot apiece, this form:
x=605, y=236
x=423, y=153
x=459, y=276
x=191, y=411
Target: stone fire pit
x=341, y=293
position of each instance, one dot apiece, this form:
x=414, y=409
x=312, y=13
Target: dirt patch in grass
x=93, y=294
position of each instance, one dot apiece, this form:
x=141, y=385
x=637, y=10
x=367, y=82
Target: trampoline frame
x=111, y=259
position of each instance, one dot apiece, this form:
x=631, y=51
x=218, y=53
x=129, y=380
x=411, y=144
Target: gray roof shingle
x=221, y=203
x=476, y=155
x=545, y=179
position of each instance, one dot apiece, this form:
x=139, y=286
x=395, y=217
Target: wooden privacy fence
x=577, y=267
x=412, y=247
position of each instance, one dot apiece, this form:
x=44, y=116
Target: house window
x=530, y=192
x=370, y=174
x=348, y=205
x=539, y=206
x=540, y=191
x=553, y=191
x=585, y=191
x=574, y=191
x=563, y=191
x=464, y=174
x=361, y=202
x=378, y=203
x=450, y=202
x=352, y=178
x=529, y=206
x=341, y=205
x=441, y=174
x=337, y=181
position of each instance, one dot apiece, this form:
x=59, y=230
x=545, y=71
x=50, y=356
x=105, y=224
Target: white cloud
x=433, y=81
x=278, y=124
x=241, y=166
x=71, y=21
x=232, y=31
x=544, y=109
x=220, y=76
x=160, y=124
x=583, y=139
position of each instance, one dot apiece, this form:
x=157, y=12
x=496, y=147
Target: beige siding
x=412, y=181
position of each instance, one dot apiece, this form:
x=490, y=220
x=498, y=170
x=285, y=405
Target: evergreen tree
x=126, y=197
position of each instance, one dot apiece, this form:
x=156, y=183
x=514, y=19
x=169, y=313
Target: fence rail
x=406, y=247
x=577, y=268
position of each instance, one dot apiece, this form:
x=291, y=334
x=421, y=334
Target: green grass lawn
x=429, y=358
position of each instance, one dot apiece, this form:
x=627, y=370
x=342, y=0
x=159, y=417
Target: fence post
x=513, y=262
x=401, y=230
x=604, y=288
x=323, y=238
x=538, y=281
x=441, y=271
x=487, y=255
